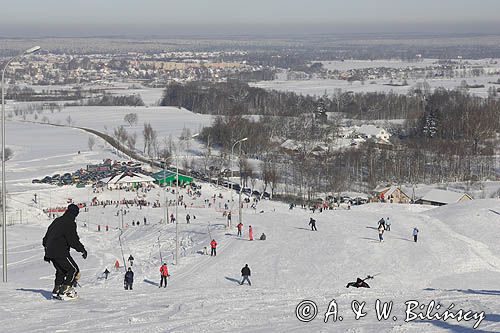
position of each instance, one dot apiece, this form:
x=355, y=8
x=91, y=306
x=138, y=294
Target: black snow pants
x=163, y=279
x=66, y=270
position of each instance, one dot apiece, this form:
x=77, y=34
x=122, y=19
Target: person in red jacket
x=213, y=245
x=250, y=232
x=240, y=226
x=164, y=275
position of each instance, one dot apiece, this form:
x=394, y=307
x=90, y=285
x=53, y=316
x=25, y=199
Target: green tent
x=168, y=177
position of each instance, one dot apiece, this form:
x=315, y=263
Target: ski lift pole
x=159, y=249
x=121, y=247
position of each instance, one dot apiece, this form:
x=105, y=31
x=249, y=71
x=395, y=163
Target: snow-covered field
x=41, y=150
x=394, y=63
x=318, y=87
x=64, y=143
x=164, y=119
x=456, y=260
x=150, y=96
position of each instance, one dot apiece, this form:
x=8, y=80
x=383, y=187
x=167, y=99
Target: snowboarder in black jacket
x=245, y=272
x=129, y=279
x=60, y=237
x=312, y=223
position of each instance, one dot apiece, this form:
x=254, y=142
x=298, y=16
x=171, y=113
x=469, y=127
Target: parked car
x=36, y=181
x=266, y=195
x=358, y=201
x=256, y=193
x=246, y=191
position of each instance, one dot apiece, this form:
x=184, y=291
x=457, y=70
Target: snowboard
x=65, y=297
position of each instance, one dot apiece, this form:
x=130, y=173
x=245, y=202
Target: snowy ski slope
x=456, y=261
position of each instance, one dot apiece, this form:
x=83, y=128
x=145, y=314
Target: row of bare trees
x=454, y=137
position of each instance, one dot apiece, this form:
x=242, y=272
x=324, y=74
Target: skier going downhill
x=60, y=237
x=312, y=223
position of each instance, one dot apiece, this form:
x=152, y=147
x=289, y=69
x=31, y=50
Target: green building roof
x=168, y=177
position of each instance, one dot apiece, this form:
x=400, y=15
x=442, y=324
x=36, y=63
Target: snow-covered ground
x=150, y=96
x=164, y=120
x=41, y=149
x=318, y=87
x=489, y=63
x=456, y=260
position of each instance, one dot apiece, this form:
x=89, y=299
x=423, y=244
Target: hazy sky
x=149, y=16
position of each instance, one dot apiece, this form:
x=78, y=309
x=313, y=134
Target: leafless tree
x=131, y=118
x=131, y=141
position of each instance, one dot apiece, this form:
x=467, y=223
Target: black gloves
x=84, y=254
x=45, y=258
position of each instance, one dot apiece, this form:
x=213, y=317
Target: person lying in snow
x=360, y=283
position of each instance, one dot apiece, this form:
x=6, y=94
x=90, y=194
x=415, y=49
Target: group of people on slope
x=250, y=232
x=385, y=225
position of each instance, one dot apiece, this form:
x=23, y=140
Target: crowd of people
x=61, y=236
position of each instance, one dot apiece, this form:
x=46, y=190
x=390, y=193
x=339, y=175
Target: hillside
x=456, y=260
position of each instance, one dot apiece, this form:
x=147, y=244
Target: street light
x=4, y=187
x=177, y=200
x=230, y=166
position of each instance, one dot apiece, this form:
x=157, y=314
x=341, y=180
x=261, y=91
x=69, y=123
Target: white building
x=372, y=131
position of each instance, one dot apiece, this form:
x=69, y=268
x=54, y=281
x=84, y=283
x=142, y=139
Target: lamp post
x=230, y=166
x=4, y=187
x=177, y=201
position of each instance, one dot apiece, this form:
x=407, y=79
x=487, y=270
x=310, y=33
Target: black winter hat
x=73, y=210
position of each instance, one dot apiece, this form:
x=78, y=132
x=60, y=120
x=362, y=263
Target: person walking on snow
x=61, y=235
x=245, y=273
x=131, y=260
x=250, y=232
x=388, y=224
x=106, y=273
x=381, y=233
x=415, y=234
x=129, y=279
x=312, y=223
x=188, y=218
x=164, y=275
x=213, y=245
x=381, y=222
x=240, y=227
x=117, y=265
